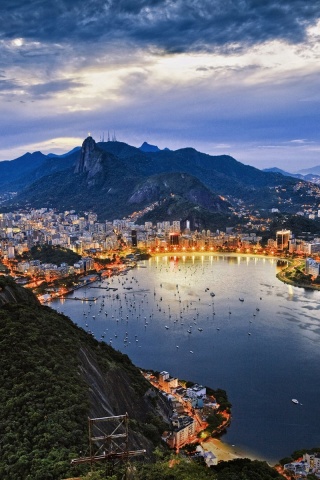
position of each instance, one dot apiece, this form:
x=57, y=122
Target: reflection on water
x=249, y=333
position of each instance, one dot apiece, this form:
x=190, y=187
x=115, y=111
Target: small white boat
x=241, y=299
x=294, y=400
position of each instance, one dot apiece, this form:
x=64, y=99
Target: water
x=263, y=350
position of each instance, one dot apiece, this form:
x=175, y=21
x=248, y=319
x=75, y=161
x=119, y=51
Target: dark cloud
x=45, y=90
x=8, y=85
x=168, y=25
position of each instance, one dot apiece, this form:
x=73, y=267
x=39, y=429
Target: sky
x=237, y=77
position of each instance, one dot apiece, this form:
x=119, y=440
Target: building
x=184, y=429
x=176, y=226
x=312, y=248
x=174, y=239
x=312, y=267
x=282, y=239
x=167, y=383
x=313, y=462
x=134, y=238
x=210, y=459
x=196, y=391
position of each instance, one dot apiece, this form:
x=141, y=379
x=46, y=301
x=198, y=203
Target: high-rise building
x=176, y=226
x=134, y=238
x=282, y=239
x=174, y=238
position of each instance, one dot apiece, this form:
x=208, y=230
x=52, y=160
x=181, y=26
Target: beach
x=225, y=452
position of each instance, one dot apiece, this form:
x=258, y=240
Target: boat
x=294, y=400
x=241, y=299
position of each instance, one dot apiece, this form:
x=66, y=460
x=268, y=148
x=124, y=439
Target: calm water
x=263, y=350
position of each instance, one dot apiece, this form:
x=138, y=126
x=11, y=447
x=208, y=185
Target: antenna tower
x=108, y=442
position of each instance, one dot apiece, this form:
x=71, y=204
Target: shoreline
x=214, y=254
x=226, y=452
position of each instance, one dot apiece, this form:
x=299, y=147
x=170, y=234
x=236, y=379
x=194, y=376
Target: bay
x=251, y=335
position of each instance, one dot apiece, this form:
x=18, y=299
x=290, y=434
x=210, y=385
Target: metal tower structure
x=108, y=442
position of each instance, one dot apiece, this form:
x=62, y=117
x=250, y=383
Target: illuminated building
x=282, y=239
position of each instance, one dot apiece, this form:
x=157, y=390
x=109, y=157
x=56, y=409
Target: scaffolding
x=108, y=442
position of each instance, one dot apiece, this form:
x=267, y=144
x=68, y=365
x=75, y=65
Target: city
x=107, y=247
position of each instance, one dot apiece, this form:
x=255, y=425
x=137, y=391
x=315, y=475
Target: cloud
x=8, y=85
x=48, y=89
x=168, y=25
x=204, y=73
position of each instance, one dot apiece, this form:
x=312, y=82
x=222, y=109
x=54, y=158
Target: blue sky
x=224, y=76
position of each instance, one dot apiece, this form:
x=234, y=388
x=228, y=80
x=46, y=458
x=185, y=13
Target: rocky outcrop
x=90, y=160
x=112, y=393
x=12, y=293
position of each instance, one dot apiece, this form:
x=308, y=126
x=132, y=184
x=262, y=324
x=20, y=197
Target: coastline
x=226, y=452
x=213, y=254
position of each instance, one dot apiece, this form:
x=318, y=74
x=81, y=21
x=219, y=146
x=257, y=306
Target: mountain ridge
x=115, y=179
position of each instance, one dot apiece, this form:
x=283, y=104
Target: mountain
x=282, y=172
x=53, y=155
x=116, y=184
x=115, y=179
x=146, y=147
x=11, y=170
x=312, y=170
x=54, y=376
x=307, y=177
x=17, y=174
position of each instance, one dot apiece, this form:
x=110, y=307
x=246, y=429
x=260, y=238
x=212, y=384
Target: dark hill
x=23, y=171
x=53, y=377
x=115, y=179
x=115, y=186
x=223, y=174
x=11, y=170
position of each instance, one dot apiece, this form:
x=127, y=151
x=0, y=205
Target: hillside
x=115, y=180
x=115, y=186
x=23, y=171
x=53, y=377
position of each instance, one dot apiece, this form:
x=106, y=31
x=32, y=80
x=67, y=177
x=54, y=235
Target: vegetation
x=53, y=254
x=298, y=454
x=214, y=421
x=44, y=398
x=301, y=226
x=222, y=399
x=121, y=183
x=3, y=269
x=179, y=468
x=245, y=469
x=44, y=404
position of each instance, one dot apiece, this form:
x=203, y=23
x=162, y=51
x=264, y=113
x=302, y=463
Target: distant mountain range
x=116, y=180
x=308, y=174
